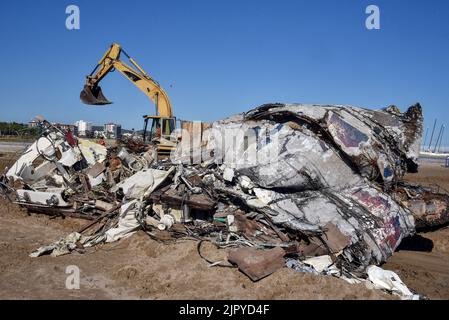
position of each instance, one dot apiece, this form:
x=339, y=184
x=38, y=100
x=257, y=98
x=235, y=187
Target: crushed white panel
x=92, y=152
x=142, y=183
x=390, y=281
x=51, y=199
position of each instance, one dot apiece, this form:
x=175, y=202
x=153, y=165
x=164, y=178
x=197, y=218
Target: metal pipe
x=186, y=213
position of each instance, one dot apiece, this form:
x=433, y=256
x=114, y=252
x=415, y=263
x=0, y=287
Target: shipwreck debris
x=316, y=188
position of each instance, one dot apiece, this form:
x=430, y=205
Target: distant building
x=113, y=130
x=97, y=132
x=97, y=128
x=67, y=127
x=33, y=124
x=84, y=128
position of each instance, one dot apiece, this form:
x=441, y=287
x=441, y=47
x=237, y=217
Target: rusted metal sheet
x=257, y=264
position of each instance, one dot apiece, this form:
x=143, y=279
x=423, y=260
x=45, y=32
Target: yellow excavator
x=162, y=124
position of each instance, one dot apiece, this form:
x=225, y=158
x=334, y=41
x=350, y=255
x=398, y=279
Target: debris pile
x=317, y=188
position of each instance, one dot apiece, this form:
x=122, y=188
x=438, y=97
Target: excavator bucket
x=93, y=96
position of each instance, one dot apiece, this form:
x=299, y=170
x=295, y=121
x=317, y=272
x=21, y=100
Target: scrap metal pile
x=316, y=187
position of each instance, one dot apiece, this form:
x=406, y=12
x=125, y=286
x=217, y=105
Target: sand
x=426, y=272
x=142, y=268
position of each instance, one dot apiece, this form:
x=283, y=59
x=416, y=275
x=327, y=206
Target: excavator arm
x=93, y=95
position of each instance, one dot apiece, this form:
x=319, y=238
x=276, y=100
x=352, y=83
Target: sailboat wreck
x=316, y=187
x=331, y=173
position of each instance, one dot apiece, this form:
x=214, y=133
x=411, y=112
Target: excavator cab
x=159, y=127
x=160, y=131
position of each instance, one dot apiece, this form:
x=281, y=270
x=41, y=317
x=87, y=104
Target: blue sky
x=217, y=58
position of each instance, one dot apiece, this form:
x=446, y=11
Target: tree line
x=17, y=129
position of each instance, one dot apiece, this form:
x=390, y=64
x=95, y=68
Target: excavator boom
x=163, y=124
x=93, y=95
